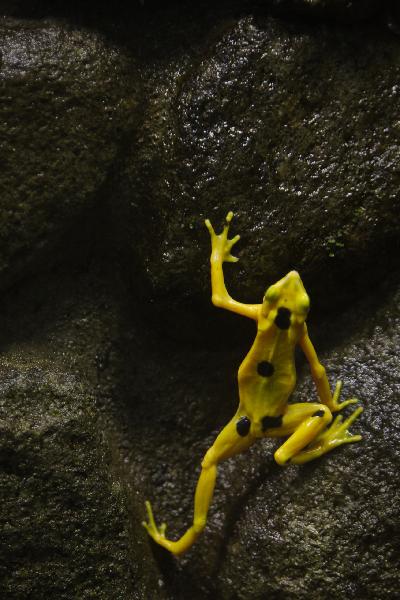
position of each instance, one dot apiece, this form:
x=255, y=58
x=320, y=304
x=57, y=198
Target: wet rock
x=66, y=103
x=69, y=516
x=338, y=9
x=64, y=526
x=295, y=129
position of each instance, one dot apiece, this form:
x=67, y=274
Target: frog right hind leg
x=311, y=436
x=233, y=439
x=336, y=435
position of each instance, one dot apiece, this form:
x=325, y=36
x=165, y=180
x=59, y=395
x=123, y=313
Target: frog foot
x=338, y=433
x=157, y=533
x=221, y=246
x=336, y=405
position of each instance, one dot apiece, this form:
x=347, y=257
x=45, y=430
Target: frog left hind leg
x=233, y=439
x=311, y=437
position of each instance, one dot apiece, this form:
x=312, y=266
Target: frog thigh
x=310, y=423
x=235, y=438
x=294, y=416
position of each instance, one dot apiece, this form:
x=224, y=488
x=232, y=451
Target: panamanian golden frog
x=266, y=379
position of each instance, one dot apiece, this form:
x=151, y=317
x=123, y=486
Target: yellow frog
x=266, y=377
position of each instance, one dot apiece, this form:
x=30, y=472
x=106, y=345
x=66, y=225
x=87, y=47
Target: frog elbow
x=319, y=372
x=216, y=300
x=199, y=524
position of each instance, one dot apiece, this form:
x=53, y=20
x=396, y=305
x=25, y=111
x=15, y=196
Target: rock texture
x=65, y=509
x=334, y=9
x=67, y=103
x=294, y=128
x=121, y=131
x=63, y=530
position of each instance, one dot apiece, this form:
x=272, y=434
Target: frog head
x=288, y=300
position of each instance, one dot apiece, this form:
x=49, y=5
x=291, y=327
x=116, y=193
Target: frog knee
x=217, y=300
x=323, y=413
x=209, y=459
x=281, y=457
x=199, y=524
x=319, y=371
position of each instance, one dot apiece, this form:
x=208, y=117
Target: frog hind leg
x=233, y=439
x=336, y=435
x=311, y=435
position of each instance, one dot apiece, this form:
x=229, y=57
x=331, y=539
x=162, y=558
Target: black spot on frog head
x=282, y=319
x=289, y=293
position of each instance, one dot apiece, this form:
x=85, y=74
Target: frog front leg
x=221, y=248
x=310, y=435
x=233, y=439
x=320, y=379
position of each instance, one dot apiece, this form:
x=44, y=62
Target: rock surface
x=294, y=128
x=67, y=101
x=336, y=9
x=116, y=373
x=64, y=532
x=65, y=514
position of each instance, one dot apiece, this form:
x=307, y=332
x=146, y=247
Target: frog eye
x=272, y=294
x=304, y=304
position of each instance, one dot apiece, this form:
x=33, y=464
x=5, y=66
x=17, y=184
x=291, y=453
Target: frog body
x=266, y=379
x=267, y=376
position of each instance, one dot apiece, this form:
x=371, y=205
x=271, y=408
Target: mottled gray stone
x=70, y=511
x=294, y=128
x=66, y=102
x=346, y=10
x=63, y=521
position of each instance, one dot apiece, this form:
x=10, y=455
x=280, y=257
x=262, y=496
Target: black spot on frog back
x=243, y=426
x=270, y=422
x=265, y=368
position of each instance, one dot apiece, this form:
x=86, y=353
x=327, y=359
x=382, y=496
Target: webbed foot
x=336, y=435
x=221, y=246
x=336, y=405
x=157, y=533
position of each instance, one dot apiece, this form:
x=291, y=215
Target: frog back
x=267, y=375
